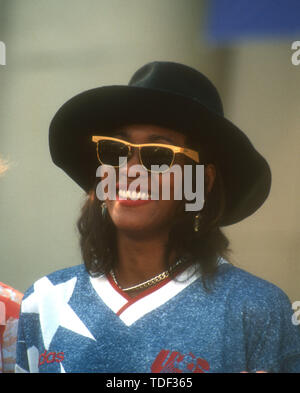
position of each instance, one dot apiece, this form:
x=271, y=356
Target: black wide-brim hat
x=171, y=95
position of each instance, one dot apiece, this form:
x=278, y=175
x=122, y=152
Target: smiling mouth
x=133, y=195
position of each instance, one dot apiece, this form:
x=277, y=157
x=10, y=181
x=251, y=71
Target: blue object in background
x=234, y=20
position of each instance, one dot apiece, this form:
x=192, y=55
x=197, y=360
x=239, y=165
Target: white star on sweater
x=51, y=303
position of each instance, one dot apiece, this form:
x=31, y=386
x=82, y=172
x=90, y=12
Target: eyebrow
x=151, y=138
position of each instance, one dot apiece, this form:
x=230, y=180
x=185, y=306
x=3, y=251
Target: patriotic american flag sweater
x=71, y=322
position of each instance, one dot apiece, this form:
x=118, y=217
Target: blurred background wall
x=57, y=49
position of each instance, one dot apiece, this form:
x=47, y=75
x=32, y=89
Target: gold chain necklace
x=148, y=283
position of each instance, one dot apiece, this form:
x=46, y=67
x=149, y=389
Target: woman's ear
x=210, y=175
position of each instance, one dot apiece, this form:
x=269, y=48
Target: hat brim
x=247, y=174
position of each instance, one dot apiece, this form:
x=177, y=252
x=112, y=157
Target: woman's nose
x=133, y=158
x=133, y=166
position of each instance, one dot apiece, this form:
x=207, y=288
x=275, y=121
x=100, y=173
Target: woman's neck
x=140, y=259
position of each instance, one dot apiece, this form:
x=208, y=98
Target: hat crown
x=179, y=79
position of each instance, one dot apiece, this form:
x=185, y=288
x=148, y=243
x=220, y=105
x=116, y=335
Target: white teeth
x=126, y=194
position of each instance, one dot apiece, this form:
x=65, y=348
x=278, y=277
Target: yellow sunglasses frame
x=193, y=154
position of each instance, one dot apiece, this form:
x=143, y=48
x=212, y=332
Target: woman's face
x=151, y=216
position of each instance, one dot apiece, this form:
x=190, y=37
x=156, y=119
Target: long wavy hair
x=203, y=247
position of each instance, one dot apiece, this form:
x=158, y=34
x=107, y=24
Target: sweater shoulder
x=58, y=277
x=246, y=288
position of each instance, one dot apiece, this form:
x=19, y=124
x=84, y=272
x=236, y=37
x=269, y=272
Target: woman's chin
x=137, y=227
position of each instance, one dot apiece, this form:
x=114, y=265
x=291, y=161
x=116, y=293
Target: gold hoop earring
x=197, y=221
x=104, y=210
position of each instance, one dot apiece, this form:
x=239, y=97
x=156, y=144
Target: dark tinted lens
x=110, y=152
x=156, y=155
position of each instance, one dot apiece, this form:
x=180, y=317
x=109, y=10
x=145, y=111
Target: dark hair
x=206, y=246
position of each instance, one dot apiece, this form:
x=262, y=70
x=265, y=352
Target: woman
x=156, y=292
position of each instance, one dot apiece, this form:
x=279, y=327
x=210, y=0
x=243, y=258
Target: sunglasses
x=109, y=151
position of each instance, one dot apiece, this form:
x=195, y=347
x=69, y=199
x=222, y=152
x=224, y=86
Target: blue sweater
x=71, y=322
